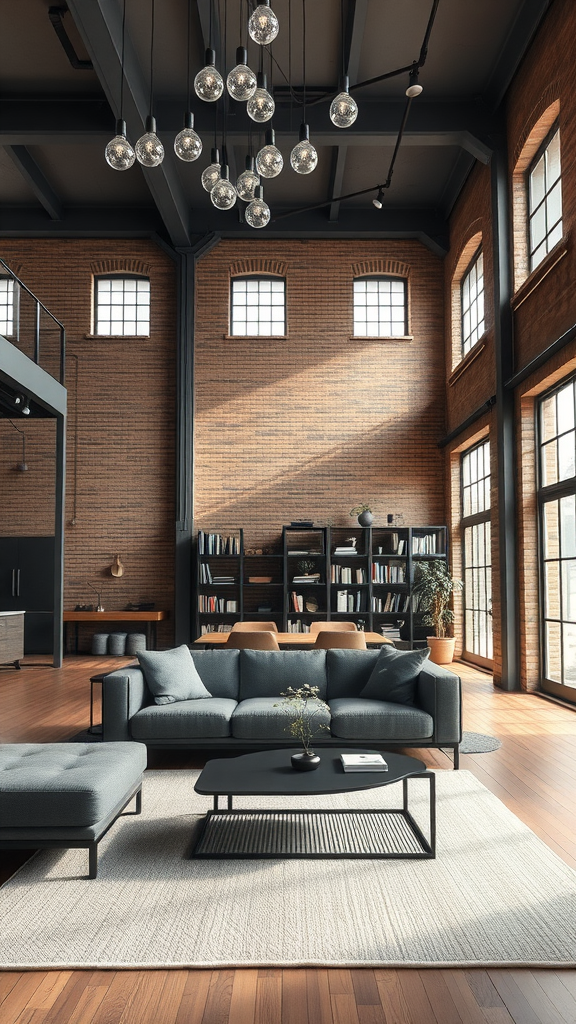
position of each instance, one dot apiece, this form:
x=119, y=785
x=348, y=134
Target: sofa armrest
x=124, y=692
x=439, y=692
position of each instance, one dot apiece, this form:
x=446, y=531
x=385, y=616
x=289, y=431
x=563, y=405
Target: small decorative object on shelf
x=303, y=706
x=364, y=513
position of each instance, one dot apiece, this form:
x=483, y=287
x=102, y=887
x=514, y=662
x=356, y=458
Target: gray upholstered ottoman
x=66, y=794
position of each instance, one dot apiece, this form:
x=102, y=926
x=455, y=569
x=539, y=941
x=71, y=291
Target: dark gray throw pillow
x=394, y=675
x=172, y=675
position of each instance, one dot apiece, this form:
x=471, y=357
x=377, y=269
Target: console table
x=151, y=619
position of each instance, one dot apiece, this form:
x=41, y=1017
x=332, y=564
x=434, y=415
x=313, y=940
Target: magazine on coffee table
x=363, y=763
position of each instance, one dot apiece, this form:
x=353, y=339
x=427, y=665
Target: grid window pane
x=7, y=307
x=122, y=306
x=545, y=202
x=472, y=299
x=258, y=306
x=475, y=478
x=380, y=307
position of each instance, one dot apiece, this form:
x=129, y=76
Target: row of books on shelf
x=208, y=604
x=425, y=545
x=310, y=577
x=207, y=577
x=216, y=544
x=297, y=626
x=350, y=601
x=219, y=627
x=389, y=573
x=395, y=603
x=345, y=574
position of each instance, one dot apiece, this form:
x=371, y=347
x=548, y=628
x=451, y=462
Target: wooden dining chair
x=340, y=638
x=257, y=640
x=254, y=627
x=333, y=627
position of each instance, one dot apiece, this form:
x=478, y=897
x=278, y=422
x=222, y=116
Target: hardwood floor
x=532, y=773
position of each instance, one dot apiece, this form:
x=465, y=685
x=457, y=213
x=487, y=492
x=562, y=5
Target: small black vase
x=305, y=762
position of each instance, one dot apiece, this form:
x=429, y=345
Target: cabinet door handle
x=13, y=582
x=17, y=582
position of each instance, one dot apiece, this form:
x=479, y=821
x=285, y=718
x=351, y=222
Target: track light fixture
x=379, y=200
x=414, y=88
x=25, y=408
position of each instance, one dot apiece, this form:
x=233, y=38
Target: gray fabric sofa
x=245, y=686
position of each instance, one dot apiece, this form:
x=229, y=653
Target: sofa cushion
x=356, y=719
x=65, y=784
x=183, y=720
x=348, y=671
x=270, y=673
x=260, y=718
x=219, y=671
x=172, y=675
x=395, y=675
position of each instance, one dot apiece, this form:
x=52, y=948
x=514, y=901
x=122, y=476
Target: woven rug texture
x=494, y=895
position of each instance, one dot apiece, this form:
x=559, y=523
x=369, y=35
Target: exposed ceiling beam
x=79, y=222
x=39, y=184
x=519, y=38
x=456, y=181
x=354, y=35
x=335, y=187
x=100, y=25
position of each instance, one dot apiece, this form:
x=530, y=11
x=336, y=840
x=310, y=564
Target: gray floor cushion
x=186, y=719
x=257, y=718
x=357, y=719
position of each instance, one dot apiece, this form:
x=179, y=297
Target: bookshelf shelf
x=373, y=575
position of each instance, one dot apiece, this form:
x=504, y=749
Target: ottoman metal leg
x=93, y=860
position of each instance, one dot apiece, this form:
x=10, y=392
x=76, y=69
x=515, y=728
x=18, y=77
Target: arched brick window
x=122, y=305
x=536, y=190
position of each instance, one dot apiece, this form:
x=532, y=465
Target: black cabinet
x=27, y=584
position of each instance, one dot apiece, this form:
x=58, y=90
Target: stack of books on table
x=363, y=763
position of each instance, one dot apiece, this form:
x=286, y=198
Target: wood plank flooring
x=532, y=773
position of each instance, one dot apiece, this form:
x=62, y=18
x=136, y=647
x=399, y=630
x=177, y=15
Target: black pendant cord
x=189, y=51
x=153, y=12
x=344, y=68
x=123, y=51
x=304, y=58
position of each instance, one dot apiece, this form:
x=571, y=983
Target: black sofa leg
x=456, y=756
x=92, y=860
x=139, y=801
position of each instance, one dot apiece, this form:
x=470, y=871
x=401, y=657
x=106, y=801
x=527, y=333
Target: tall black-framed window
x=122, y=305
x=545, y=199
x=258, y=306
x=472, y=302
x=9, y=311
x=380, y=307
x=476, y=530
x=557, y=521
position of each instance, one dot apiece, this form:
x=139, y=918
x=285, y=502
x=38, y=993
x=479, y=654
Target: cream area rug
x=494, y=895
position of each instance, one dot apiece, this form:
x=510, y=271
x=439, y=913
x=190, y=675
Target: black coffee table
x=381, y=833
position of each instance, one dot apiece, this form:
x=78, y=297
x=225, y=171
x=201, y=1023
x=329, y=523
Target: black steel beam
x=335, y=187
x=456, y=181
x=517, y=42
x=38, y=182
x=100, y=25
x=354, y=37
x=504, y=354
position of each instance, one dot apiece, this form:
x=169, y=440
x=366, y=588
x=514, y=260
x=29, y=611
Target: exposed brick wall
x=27, y=506
x=120, y=438
x=310, y=425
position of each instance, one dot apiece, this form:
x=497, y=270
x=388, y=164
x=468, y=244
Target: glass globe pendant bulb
x=263, y=25
x=149, y=149
x=304, y=158
x=188, y=144
x=212, y=173
x=257, y=213
x=241, y=82
x=119, y=153
x=223, y=195
x=269, y=161
x=247, y=181
x=261, y=106
x=209, y=84
x=343, y=109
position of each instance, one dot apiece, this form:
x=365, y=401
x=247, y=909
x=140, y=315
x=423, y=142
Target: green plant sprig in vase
x=303, y=705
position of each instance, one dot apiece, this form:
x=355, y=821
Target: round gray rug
x=478, y=743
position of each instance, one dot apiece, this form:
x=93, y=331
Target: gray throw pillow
x=172, y=675
x=394, y=675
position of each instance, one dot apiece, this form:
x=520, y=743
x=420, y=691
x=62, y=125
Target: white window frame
x=374, y=317
x=476, y=554
x=544, y=224
x=122, y=287
x=255, y=304
x=9, y=327
x=473, y=324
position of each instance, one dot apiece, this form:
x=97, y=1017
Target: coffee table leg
x=229, y=803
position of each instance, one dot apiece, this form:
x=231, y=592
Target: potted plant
x=364, y=513
x=303, y=705
x=434, y=585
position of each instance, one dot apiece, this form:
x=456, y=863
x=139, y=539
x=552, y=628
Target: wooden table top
x=287, y=639
x=114, y=616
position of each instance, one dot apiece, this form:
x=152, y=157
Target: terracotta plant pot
x=441, y=649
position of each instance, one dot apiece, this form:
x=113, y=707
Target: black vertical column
x=59, y=540
x=187, y=259
x=505, y=435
